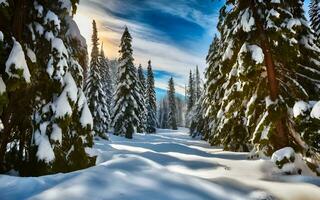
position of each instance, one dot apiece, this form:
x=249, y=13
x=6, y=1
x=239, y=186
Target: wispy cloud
x=172, y=53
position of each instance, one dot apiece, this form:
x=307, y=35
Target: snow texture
x=31, y=55
x=17, y=61
x=62, y=105
x=52, y=17
x=56, y=134
x=86, y=116
x=315, y=112
x=300, y=108
x=247, y=21
x=281, y=154
x=45, y=152
x=2, y=86
x=257, y=53
x=58, y=45
x=3, y=2
x=66, y=4
x=168, y=165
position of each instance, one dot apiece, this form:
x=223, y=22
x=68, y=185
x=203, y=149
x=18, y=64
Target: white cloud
x=148, y=44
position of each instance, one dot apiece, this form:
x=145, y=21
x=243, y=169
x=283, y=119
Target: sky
x=174, y=34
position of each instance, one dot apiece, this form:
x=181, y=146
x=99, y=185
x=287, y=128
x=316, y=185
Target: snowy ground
x=164, y=166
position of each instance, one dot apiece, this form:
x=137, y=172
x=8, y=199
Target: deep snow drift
x=167, y=165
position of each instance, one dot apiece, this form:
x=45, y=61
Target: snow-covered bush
x=285, y=159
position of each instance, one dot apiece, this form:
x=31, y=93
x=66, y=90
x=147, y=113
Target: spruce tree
x=172, y=119
x=127, y=97
x=143, y=89
x=151, y=101
x=264, y=64
x=163, y=114
x=198, y=88
x=314, y=13
x=48, y=111
x=159, y=114
x=107, y=84
x=191, y=98
x=94, y=88
x=209, y=104
x=191, y=92
x=180, y=111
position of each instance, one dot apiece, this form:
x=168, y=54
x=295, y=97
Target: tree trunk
x=281, y=139
x=18, y=19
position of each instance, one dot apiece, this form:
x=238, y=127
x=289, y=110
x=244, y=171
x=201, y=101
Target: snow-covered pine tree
x=62, y=120
x=50, y=117
x=114, y=73
x=198, y=86
x=127, y=97
x=163, y=114
x=180, y=111
x=199, y=125
x=106, y=80
x=191, y=92
x=151, y=103
x=258, y=83
x=94, y=88
x=143, y=89
x=314, y=13
x=191, y=99
x=172, y=119
x=208, y=106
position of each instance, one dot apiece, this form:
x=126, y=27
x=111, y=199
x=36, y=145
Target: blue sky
x=174, y=34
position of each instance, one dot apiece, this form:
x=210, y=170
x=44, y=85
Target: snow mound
x=168, y=165
x=285, y=153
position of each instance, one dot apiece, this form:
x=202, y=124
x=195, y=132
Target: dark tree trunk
x=18, y=19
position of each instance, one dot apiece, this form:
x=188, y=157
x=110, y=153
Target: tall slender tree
x=143, y=89
x=151, y=101
x=191, y=92
x=198, y=87
x=127, y=97
x=209, y=104
x=163, y=113
x=94, y=88
x=172, y=119
x=180, y=111
x=106, y=80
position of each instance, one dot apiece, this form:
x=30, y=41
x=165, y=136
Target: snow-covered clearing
x=167, y=165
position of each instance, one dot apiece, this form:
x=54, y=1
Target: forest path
x=164, y=166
